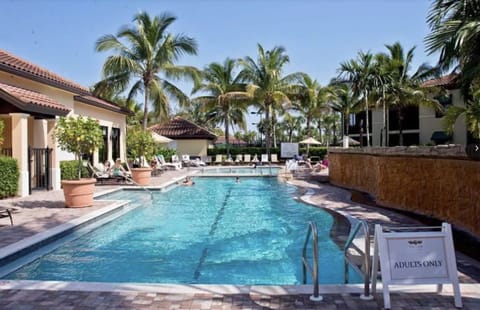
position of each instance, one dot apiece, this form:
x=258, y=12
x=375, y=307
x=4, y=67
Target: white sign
x=423, y=256
x=288, y=150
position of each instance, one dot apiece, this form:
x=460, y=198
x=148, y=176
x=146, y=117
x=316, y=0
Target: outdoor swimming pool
x=215, y=232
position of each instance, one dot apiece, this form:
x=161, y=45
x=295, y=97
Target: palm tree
x=361, y=74
x=310, y=99
x=226, y=101
x=267, y=86
x=471, y=112
x=404, y=89
x=145, y=55
x=346, y=102
x=290, y=124
x=455, y=26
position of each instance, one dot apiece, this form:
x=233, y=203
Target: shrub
x=69, y=170
x=9, y=177
x=166, y=152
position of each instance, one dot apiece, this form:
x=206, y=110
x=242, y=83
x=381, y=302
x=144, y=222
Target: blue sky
x=317, y=34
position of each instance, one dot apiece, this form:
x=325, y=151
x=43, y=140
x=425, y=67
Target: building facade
x=31, y=101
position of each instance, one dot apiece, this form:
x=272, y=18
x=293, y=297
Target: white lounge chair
x=273, y=158
x=218, y=159
x=265, y=159
x=238, y=158
x=192, y=162
x=255, y=159
x=246, y=158
x=164, y=164
x=207, y=159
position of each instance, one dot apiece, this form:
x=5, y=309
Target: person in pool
x=188, y=181
x=237, y=180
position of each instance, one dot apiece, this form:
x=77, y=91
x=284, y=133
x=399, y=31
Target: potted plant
x=80, y=136
x=141, y=147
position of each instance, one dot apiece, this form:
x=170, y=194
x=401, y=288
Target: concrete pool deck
x=45, y=210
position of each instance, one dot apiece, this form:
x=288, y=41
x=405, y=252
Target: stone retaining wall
x=439, y=182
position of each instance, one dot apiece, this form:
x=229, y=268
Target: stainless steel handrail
x=312, y=230
x=366, y=257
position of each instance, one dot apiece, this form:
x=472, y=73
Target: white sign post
x=288, y=150
x=415, y=255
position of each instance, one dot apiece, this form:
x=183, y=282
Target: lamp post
x=261, y=136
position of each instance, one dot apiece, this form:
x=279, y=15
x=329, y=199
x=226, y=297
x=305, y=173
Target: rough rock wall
x=437, y=182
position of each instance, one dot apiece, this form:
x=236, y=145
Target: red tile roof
x=101, y=103
x=179, y=128
x=449, y=80
x=16, y=65
x=32, y=101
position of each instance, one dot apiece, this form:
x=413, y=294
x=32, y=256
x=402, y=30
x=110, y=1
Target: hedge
x=9, y=177
x=69, y=170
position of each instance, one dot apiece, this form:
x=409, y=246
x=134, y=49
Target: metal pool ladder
x=364, y=269
x=312, y=231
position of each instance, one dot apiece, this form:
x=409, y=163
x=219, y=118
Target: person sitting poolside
x=118, y=170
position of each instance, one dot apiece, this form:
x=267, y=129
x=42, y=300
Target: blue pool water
x=215, y=232
x=260, y=170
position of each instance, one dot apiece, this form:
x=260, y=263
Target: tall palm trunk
x=274, y=132
x=227, y=134
x=366, y=118
x=145, y=107
x=267, y=131
x=384, y=118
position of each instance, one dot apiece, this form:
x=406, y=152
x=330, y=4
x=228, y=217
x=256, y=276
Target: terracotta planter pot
x=141, y=176
x=79, y=193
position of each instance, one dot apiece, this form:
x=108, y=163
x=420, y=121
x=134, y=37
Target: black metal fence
x=39, y=168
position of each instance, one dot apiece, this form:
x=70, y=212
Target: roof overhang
x=32, y=107
x=103, y=104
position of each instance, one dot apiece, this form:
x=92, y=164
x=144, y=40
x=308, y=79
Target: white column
x=55, y=163
x=20, y=149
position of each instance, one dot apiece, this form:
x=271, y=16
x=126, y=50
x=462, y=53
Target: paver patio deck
x=44, y=210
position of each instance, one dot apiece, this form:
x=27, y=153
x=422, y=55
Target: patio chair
x=255, y=159
x=238, y=159
x=246, y=158
x=218, y=159
x=165, y=165
x=265, y=159
x=100, y=174
x=197, y=162
x=186, y=160
x=229, y=160
x=175, y=159
x=273, y=158
x=206, y=159
x=7, y=212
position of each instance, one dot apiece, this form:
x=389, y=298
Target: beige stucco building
x=188, y=138
x=420, y=125
x=31, y=101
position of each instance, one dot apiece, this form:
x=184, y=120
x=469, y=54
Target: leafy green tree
x=310, y=99
x=146, y=55
x=290, y=125
x=140, y=144
x=345, y=102
x=267, y=85
x=360, y=73
x=404, y=88
x=471, y=113
x=226, y=101
x=78, y=135
x=455, y=33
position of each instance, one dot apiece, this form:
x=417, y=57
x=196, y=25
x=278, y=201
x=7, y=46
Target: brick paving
x=44, y=210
